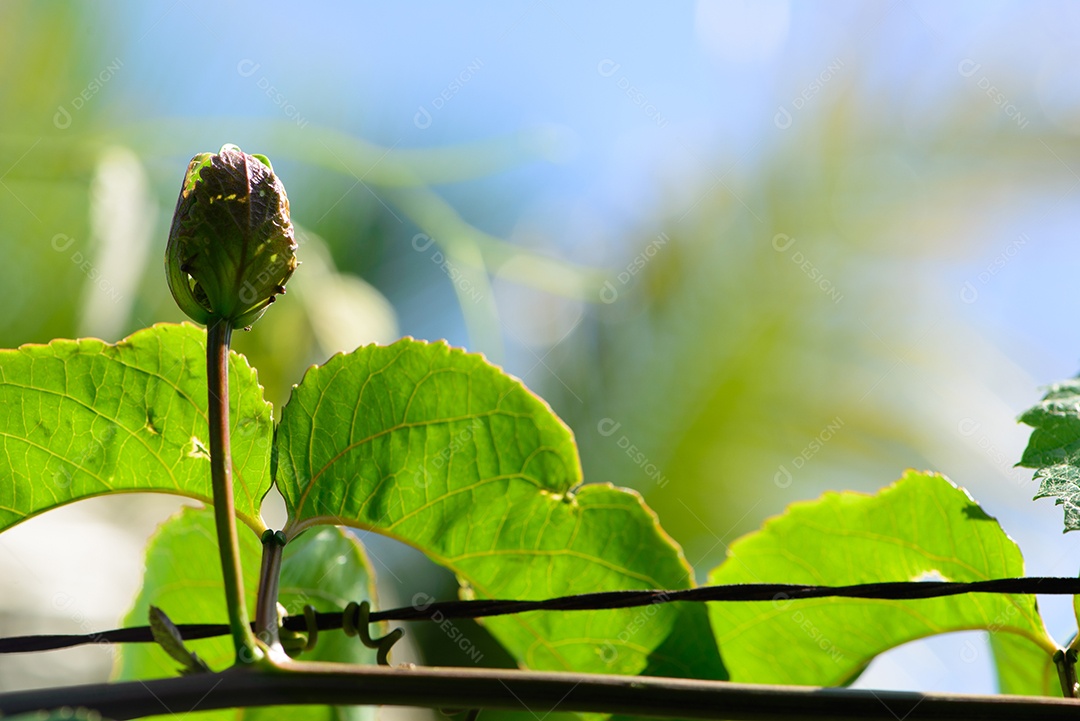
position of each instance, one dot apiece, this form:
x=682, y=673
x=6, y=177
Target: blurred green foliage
x=727, y=379
x=787, y=339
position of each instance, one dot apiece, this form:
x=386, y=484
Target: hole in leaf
x=931, y=575
x=198, y=449
x=273, y=510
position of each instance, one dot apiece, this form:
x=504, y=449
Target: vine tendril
x=355, y=621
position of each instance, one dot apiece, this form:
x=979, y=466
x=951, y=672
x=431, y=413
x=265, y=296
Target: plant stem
x=218, y=335
x=1065, y=661
x=540, y=693
x=266, y=612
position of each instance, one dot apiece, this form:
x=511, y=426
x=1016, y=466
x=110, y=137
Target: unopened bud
x=231, y=246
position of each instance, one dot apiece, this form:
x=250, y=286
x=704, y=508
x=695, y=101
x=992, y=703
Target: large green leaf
x=1054, y=448
x=326, y=568
x=86, y=418
x=1023, y=668
x=921, y=528
x=439, y=449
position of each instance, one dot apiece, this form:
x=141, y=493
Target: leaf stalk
x=218, y=337
x=266, y=608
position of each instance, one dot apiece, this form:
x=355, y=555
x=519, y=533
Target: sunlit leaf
x=1054, y=448
x=169, y=638
x=1023, y=668
x=921, y=528
x=439, y=449
x=88, y=418
x=325, y=568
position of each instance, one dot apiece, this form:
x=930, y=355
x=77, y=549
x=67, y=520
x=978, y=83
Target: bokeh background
x=749, y=251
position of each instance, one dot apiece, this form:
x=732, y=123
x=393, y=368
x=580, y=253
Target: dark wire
x=439, y=611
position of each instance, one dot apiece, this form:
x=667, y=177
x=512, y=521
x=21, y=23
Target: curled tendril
x=355, y=621
x=312, y=627
x=297, y=642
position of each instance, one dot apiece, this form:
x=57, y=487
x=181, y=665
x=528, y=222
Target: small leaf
x=168, y=637
x=1056, y=423
x=87, y=418
x=1054, y=448
x=1062, y=483
x=435, y=447
x=325, y=568
x=921, y=528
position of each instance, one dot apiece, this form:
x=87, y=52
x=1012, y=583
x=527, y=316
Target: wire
x=439, y=611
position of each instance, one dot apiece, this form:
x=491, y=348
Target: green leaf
x=1023, y=668
x=921, y=528
x=1054, y=448
x=326, y=568
x=86, y=418
x=438, y=449
x=168, y=637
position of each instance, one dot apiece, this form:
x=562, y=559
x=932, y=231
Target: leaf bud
x=231, y=245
